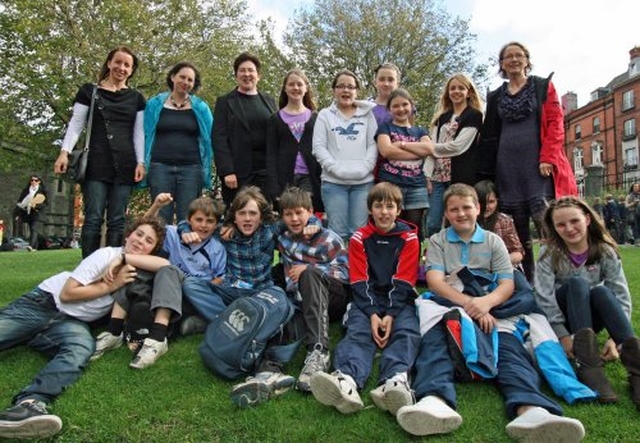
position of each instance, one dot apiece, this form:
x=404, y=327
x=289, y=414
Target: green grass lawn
x=178, y=399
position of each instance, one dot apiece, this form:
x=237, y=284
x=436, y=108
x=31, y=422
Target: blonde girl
x=455, y=129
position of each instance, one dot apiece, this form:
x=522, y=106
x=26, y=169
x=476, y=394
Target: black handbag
x=78, y=158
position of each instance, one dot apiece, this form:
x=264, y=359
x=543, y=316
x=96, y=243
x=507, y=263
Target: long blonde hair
x=445, y=104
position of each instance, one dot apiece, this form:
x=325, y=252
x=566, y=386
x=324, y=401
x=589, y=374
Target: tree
x=426, y=43
x=50, y=47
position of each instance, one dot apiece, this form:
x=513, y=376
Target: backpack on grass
x=236, y=340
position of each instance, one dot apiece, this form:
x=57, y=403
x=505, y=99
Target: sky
x=586, y=43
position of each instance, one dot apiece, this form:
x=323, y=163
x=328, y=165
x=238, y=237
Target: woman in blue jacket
x=178, y=151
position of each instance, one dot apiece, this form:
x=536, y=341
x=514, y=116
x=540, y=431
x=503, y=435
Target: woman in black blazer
x=290, y=161
x=240, y=130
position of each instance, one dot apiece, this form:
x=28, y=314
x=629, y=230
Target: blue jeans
x=436, y=207
x=596, y=308
x=33, y=319
x=100, y=196
x=184, y=183
x=517, y=378
x=355, y=353
x=346, y=207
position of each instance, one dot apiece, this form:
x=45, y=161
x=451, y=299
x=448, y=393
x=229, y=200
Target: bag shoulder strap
x=90, y=119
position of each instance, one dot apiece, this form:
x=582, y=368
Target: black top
x=282, y=151
x=176, y=141
x=112, y=158
x=464, y=166
x=239, y=133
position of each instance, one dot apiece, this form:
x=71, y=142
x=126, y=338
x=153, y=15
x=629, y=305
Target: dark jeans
x=324, y=299
x=522, y=214
x=99, y=197
x=21, y=216
x=184, y=183
x=34, y=320
x=517, y=378
x=257, y=178
x=595, y=308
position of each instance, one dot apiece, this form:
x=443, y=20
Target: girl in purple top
x=289, y=141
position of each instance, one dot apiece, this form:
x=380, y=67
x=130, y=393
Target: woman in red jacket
x=522, y=145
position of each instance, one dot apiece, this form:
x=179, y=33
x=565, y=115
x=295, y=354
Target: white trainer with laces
x=106, y=341
x=261, y=388
x=431, y=415
x=392, y=395
x=316, y=360
x=539, y=425
x=150, y=352
x=338, y=390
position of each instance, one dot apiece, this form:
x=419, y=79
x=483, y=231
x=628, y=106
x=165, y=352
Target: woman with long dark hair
x=116, y=147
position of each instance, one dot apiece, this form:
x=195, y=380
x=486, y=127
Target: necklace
x=179, y=105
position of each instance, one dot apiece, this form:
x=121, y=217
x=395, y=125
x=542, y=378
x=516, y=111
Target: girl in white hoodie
x=344, y=145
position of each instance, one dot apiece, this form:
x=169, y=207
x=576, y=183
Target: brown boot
x=630, y=357
x=590, y=367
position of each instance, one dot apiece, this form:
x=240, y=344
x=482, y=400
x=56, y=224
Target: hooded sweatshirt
x=345, y=147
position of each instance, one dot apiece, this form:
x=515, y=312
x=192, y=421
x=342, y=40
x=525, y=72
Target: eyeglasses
x=517, y=56
x=37, y=180
x=347, y=87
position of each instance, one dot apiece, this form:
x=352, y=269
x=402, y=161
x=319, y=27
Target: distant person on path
x=632, y=204
x=31, y=201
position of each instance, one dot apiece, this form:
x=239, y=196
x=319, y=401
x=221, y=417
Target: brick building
x=601, y=139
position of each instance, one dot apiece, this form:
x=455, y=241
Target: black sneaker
x=29, y=419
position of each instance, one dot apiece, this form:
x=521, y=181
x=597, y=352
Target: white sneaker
x=106, y=341
x=338, y=390
x=260, y=388
x=539, y=425
x=151, y=351
x=431, y=415
x=392, y=395
x=316, y=360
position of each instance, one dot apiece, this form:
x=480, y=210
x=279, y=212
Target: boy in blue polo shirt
x=198, y=254
x=464, y=244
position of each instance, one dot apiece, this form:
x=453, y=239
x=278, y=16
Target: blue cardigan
x=205, y=123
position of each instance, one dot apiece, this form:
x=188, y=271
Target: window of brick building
x=629, y=129
x=628, y=100
x=596, y=125
x=631, y=158
x=578, y=132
